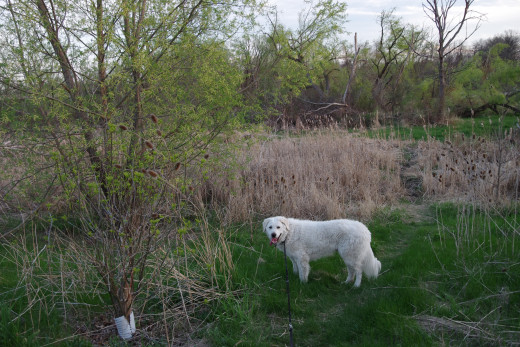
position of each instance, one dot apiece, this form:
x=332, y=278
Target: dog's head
x=276, y=229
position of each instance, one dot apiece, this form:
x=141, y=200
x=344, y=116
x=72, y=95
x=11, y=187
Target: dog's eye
x=271, y=227
x=278, y=227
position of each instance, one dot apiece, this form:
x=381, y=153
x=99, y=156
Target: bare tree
x=393, y=51
x=352, y=74
x=449, y=26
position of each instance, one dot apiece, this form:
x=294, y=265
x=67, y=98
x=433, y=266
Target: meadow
x=441, y=203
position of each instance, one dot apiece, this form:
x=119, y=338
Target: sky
x=500, y=15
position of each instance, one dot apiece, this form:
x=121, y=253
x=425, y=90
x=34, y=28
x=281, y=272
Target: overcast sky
x=501, y=15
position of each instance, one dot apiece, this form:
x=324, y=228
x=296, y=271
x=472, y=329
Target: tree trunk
x=352, y=70
x=442, y=89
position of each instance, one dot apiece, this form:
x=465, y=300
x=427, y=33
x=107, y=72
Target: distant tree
x=449, y=26
x=314, y=45
x=487, y=81
x=510, y=52
x=393, y=50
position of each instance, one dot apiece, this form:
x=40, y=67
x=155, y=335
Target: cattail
x=148, y=144
x=177, y=166
x=434, y=174
x=206, y=156
x=158, y=132
x=118, y=166
x=154, y=118
x=144, y=171
x=448, y=142
x=191, y=188
x=155, y=215
x=152, y=173
x=123, y=127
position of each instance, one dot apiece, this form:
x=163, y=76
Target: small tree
x=127, y=92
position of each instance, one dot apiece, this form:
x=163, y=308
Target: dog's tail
x=371, y=266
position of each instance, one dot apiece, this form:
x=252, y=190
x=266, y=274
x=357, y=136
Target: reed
x=320, y=176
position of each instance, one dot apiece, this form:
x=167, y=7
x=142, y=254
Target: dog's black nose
x=273, y=235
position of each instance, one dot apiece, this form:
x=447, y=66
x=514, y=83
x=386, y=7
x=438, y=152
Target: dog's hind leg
x=351, y=274
x=354, y=269
x=359, y=274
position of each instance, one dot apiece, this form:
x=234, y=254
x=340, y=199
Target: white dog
x=308, y=240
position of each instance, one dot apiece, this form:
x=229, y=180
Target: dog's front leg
x=294, y=266
x=303, y=268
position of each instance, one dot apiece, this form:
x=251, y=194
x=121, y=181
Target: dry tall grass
x=473, y=169
x=321, y=176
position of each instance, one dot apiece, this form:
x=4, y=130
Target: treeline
x=193, y=63
x=310, y=77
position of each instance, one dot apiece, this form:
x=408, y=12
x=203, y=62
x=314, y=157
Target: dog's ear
x=285, y=222
x=264, y=224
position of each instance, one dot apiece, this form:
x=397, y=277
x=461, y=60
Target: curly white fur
x=309, y=240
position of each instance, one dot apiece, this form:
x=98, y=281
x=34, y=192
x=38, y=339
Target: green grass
x=422, y=276
x=20, y=326
x=449, y=263
x=486, y=126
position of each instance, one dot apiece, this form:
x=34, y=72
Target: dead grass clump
x=322, y=176
x=472, y=169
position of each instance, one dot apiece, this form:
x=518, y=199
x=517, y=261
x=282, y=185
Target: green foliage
x=485, y=80
x=283, y=63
